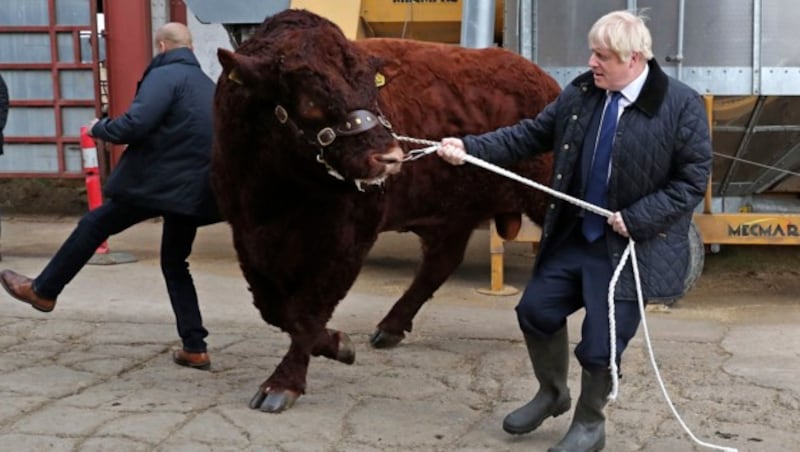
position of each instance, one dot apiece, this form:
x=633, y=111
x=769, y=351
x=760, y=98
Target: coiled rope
x=630, y=252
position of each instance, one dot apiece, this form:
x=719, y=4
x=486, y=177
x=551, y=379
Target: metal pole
x=757, y=47
x=527, y=47
x=477, y=24
x=681, y=23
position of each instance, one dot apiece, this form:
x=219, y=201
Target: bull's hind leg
x=442, y=252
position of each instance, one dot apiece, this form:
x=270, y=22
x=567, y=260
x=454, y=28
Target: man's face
x=609, y=71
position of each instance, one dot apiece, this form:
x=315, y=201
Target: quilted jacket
x=660, y=164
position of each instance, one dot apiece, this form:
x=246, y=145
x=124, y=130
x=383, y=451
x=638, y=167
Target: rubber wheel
x=697, y=258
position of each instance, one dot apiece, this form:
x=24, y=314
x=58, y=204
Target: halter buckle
x=326, y=136
x=281, y=114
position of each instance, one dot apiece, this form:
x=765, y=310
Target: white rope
x=630, y=251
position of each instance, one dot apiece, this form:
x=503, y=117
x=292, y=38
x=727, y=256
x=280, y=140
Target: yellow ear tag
x=234, y=77
x=380, y=80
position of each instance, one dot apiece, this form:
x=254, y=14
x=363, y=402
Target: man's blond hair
x=624, y=33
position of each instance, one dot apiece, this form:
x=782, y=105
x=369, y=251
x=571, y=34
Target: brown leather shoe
x=21, y=288
x=195, y=360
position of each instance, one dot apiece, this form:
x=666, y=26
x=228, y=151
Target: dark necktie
x=597, y=186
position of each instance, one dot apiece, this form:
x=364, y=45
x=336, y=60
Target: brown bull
x=308, y=172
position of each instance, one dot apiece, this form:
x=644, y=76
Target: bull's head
x=320, y=90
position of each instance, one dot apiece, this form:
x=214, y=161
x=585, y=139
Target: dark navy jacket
x=168, y=129
x=660, y=164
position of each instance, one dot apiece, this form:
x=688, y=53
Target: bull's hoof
x=347, y=351
x=273, y=401
x=383, y=339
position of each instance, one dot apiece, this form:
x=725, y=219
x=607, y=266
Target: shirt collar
x=634, y=88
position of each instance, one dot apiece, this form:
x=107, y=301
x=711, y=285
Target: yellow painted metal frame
x=344, y=13
x=529, y=232
x=744, y=228
x=436, y=20
x=399, y=11
x=428, y=20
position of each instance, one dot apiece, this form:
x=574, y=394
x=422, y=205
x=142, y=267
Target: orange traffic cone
x=91, y=171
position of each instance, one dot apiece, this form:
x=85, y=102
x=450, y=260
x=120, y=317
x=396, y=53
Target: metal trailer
x=743, y=56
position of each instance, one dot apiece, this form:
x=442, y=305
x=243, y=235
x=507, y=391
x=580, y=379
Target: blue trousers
x=575, y=276
x=112, y=217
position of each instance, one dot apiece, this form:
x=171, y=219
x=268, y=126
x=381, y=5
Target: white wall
x=207, y=37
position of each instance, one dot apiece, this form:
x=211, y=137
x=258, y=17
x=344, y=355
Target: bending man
x=164, y=172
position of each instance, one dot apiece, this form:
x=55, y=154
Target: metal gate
x=48, y=56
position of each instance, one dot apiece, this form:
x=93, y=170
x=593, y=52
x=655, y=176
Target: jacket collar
x=182, y=55
x=653, y=92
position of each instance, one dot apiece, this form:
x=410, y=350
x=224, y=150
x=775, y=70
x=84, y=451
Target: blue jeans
x=112, y=217
x=576, y=276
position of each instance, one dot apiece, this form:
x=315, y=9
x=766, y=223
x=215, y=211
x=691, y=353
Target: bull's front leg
x=336, y=345
x=304, y=316
x=288, y=382
x=442, y=252
x=303, y=307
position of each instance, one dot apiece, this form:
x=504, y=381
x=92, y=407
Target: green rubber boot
x=550, y=359
x=587, y=433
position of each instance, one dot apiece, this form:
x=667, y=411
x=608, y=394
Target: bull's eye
x=310, y=109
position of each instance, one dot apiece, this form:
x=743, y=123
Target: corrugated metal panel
x=730, y=47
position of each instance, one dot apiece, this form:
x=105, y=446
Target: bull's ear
x=387, y=67
x=375, y=62
x=241, y=69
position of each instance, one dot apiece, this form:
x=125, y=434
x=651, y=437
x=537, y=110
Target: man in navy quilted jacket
x=164, y=172
x=634, y=141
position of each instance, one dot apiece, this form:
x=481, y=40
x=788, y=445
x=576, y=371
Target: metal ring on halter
x=326, y=136
x=281, y=114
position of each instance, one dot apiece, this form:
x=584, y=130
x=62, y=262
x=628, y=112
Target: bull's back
x=448, y=90
x=436, y=90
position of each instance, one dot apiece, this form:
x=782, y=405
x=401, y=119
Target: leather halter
x=357, y=121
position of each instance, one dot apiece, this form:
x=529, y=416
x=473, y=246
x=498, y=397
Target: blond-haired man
x=631, y=139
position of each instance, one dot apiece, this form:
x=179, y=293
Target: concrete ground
x=96, y=374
